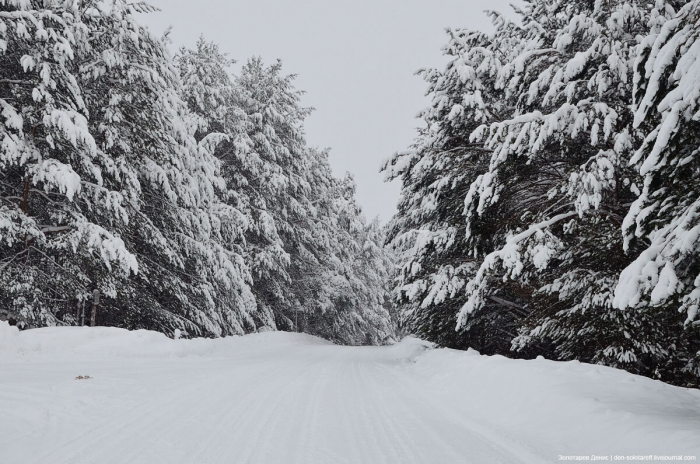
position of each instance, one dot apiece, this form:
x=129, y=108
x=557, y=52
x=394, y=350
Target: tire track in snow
x=408, y=429
x=303, y=404
x=513, y=450
x=112, y=441
x=266, y=409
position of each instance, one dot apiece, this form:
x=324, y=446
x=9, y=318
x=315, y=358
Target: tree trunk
x=95, y=302
x=92, y=316
x=25, y=195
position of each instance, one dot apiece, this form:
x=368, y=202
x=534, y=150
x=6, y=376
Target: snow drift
x=571, y=407
x=110, y=342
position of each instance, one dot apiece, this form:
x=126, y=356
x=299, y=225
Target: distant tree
x=304, y=235
x=348, y=297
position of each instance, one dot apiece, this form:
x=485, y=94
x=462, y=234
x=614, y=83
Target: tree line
x=186, y=195
x=551, y=203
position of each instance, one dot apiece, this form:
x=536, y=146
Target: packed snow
x=107, y=395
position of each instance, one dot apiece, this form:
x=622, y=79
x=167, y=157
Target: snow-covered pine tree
x=375, y=267
x=347, y=295
x=208, y=90
x=300, y=220
x=559, y=173
x=63, y=200
x=111, y=183
x=665, y=219
x=371, y=270
x=109, y=180
x=270, y=164
x=249, y=115
x=314, y=272
x=429, y=232
x=192, y=277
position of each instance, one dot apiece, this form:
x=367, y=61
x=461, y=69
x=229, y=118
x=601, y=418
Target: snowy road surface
x=286, y=398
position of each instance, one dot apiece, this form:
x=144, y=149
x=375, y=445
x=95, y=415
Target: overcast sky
x=355, y=59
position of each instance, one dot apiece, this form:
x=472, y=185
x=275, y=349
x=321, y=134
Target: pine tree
x=63, y=200
x=116, y=194
x=347, y=297
x=515, y=192
x=188, y=199
x=665, y=277
x=271, y=166
x=188, y=279
x=429, y=231
x=303, y=229
x=559, y=172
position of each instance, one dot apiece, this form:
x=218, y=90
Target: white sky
x=355, y=59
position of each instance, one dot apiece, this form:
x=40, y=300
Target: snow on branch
x=510, y=258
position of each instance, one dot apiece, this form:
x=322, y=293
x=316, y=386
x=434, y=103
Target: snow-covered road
x=266, y=398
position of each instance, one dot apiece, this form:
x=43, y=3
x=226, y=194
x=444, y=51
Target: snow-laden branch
x=510, y=258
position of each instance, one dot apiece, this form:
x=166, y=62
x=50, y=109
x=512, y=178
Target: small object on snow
x=177, y=334
x=540, y=358
x=83, y=377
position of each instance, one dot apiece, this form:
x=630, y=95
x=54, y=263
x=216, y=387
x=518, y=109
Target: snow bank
x=102, y=342
x=575, y=408
x=408, y=349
